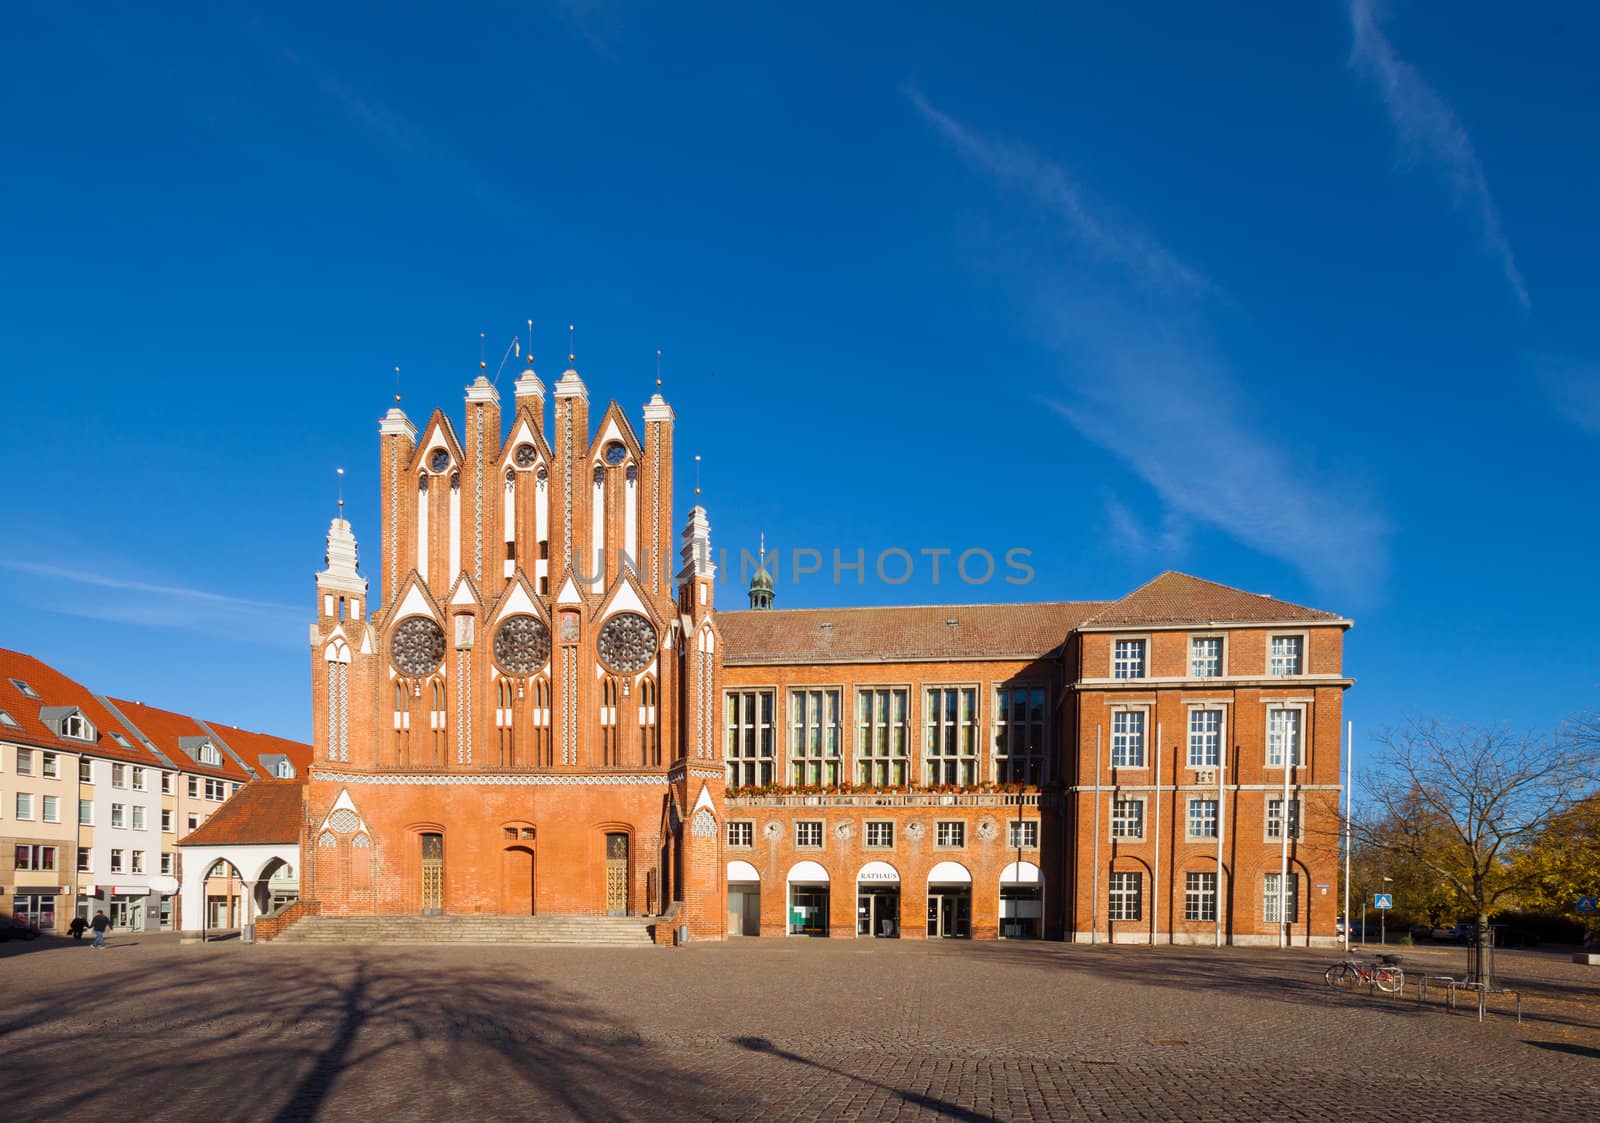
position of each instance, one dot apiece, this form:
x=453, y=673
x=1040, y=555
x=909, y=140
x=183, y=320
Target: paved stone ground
x=769, y=1029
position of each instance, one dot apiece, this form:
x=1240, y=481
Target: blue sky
x=1298, y=299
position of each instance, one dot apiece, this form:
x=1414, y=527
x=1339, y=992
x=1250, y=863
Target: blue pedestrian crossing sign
x=1588, y=904
x=1383, y=900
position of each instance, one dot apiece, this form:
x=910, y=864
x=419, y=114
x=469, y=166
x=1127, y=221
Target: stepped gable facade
x=539, y=710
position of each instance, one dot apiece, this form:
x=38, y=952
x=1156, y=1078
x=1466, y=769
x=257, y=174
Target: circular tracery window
x=627, y=643
x=524, y=456
x=418, y=646
x=522, y=644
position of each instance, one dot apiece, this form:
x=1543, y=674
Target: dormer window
x=27, y=691
x=8, y=721
x=283, y=770
x=209, y=754
x=68, y=721
x=76, y=727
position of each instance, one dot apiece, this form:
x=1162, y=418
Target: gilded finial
x=697, y=473
x=658, y=368
x=396, y=385
x=572, y=344
x=340, y=473
x=530, y=344
x=483, y=358
x=763, y=548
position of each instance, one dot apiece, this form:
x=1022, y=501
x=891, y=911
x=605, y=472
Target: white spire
x=696, y=551
x=341, y=561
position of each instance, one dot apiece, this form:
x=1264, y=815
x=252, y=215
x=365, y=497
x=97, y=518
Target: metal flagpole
x=1094, y=905
x=1283, y=833
x=1155, y=877
x=1349, y=786
x=1222, y=770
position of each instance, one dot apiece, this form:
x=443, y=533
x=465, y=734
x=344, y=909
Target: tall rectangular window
x=950, y=742
x=194, y=787
x=51, y=766
x=1285, y=656
x=118, y=815
x=1125, y=896
x=138, y=778
x=1205, y=657
x=882, y=735
x=1205, y=738
x=138, y=862
x=116, y=860
x=24, y=762
x=86, y=812
x=138, y=818
x=1275, y=818
x=1202, y=818
x=166, y=822
x=166, y=862
x=747, y=737
x=51, y=808
x=1283, y=737
x=1199, y=896
x=814, y=737
x=166, y=783
x=85, y=860
x=1128, y=659
x=1127, y=818
x=119, y=775
x=1127, y=739
x=1291, y=909
x=1019, y=733
x=85, y=771
x=24, y=805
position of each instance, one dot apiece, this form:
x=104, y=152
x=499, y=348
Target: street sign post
x=1383, y=902
x=1588, y=904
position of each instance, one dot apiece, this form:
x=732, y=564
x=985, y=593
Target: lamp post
x=1383, y=918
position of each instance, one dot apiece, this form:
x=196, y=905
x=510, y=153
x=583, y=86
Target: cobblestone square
x=771, y=1029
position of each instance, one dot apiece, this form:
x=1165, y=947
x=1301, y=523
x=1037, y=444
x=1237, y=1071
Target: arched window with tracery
x=503, y=724
x=402, y=723
x=543, y=753
x=610, y=744
x=649, y=736
x=436, y=720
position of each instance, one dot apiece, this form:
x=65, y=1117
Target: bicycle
x=1385, y=975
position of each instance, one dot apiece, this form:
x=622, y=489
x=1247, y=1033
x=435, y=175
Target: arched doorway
x=616, y=873
x=517, y=861
x=949, y=902
x=744, y=899
x=878, y=901
x=808, y=900
x=1021, y=902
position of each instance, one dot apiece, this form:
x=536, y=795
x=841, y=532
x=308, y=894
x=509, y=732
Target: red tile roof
x=253, y=746
x=164, y=728
x=56, y=689
x=263, y=811
x=887, y=635
x=1177, y=598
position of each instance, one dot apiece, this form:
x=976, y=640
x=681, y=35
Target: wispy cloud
x=1141, y=381
x=1050, y=186
x=1574, y=390
x=114, y=598
x=1429, y=131
x=1133, y=538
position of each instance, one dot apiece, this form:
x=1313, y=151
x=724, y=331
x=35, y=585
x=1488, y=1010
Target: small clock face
x=524, y=456
x=616, y=452
x=440, y=460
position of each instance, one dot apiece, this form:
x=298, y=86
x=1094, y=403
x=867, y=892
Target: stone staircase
x=587, y=931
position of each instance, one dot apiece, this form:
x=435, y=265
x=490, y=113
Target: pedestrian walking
x=100, y=923
x=78, y=927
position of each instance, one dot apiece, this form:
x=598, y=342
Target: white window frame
x=1119, y=825
x=119, y=775
x=867, y=832
x=892, y=768
x=1029, y=830
x=119, y=815
x=815, y=765
x=1269, y=897
x=1221, y=639
x=116, y=859
x=45, y=805
x=136, y=817
x=1189, y=732
x=1197, y=898
x=759, y=765
x=136, y=779
x=25, y=807
x=746, y=827
x=1189, y=818
x=50, y=766
x=166, y=821
x=1303, y=638
x=1144, y=657
x=821, y=833
x=1119, y=896
x=1302, y=746
x=946, y=829
x=967, y=758
x=1273, y=818
x=86, y=805
x=1012, y=766
x=1144, y=737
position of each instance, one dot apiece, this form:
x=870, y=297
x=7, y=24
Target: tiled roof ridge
x=894, y=607
x=139, y=734
x=1104, y=615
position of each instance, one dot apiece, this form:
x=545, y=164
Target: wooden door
x=432, y=874
x=616, y=875
x=516, y=893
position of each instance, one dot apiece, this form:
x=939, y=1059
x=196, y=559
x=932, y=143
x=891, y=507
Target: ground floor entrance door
x=744, y=910
x=432, y=874
x=1021, y=912
x=950, y=914
x=616, y=875
x=127, y=912
x=878, y=911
